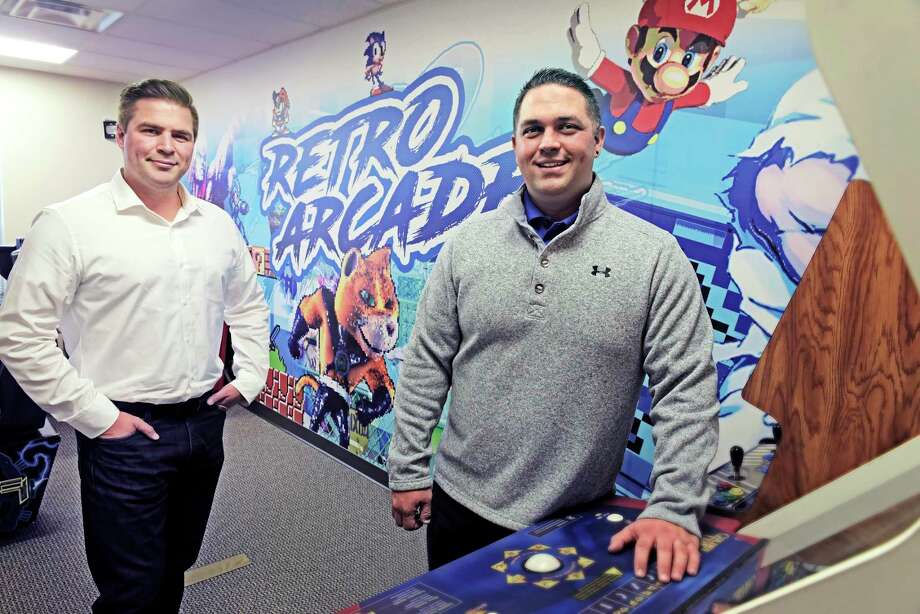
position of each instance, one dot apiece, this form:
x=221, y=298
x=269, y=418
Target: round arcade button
x=542, y=563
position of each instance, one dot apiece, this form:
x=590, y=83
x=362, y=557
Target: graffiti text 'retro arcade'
x=388, y=170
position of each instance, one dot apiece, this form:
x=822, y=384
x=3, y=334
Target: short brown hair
x=155, y=88
x=560, y=76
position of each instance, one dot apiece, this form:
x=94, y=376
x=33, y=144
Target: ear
x=599, y=139
x=632, y=39
x=379, y=257
x=350, y=261
x=119, y=136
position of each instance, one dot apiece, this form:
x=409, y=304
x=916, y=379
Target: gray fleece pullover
x=545, y=347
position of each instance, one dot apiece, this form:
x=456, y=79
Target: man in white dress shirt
x=140, y=276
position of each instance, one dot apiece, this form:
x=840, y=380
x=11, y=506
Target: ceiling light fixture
x=61, y=13
x=29, y=50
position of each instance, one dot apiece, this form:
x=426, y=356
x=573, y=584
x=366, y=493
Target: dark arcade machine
x=735, y=485
x=28, y=444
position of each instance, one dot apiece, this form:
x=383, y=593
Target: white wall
x=51, y=144
x=868, y=57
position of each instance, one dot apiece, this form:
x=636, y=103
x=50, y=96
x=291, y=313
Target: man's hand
x=225, y=397
x=126, y=425
x=412, y=508
x=586, y=49
x=677, y=550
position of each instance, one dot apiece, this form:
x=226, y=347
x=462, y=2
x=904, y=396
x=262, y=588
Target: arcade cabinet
x=28, y=444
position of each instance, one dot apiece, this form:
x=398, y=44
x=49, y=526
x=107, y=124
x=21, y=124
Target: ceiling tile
x=228, y=19
x=180, y=36
x=149, y=52
x=44, y=33
x=88, y=59
x=323, y=13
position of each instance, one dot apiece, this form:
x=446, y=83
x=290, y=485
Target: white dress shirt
x=140, y=302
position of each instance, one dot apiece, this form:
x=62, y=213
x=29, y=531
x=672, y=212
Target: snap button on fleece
x=538, y=288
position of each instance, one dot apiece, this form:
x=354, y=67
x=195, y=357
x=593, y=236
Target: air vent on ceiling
x=61, y=13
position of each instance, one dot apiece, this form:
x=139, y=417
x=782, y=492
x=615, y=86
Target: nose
x=549, y=141
x=671, y=79
x=165, y=142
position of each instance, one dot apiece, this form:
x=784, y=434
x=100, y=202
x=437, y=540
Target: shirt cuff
x=401, y=485
x=249, y=386
x=95, y=419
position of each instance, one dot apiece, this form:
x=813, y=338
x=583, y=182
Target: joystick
x=777, y=433
x=737, y=457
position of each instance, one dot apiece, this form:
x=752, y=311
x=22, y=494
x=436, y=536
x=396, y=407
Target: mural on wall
x=669, y=52
x=350, y=327
x=720, y=130
x=375, y=52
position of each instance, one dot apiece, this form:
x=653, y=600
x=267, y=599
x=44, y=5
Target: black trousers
x=455, y=531
x=146, y=504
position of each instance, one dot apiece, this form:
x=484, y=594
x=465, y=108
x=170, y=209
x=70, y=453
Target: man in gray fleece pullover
x=542, y=318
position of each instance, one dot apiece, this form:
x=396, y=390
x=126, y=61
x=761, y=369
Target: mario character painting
x=281, y=112
x=375, y=52
x=354, y=325
x=668, y=51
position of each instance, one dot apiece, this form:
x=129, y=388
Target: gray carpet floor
x=319, y=534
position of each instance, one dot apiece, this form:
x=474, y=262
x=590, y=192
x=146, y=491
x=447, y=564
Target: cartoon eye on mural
x=375, y=51
x=281, y=112
x=355, y=325
x=669, y=51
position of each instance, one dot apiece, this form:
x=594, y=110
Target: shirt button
x=544, y=263
x=538, y=288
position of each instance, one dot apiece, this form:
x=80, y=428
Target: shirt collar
x=534, y=215
x=125, y=197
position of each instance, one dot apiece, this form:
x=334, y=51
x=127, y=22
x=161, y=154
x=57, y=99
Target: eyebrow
x=561, y=118
x=158, y=127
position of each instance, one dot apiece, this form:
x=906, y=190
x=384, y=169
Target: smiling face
x=555, y=143
x=158, y=144
x=667, y=63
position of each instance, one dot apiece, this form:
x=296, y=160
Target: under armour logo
x=597, y=271
x=701, y=8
